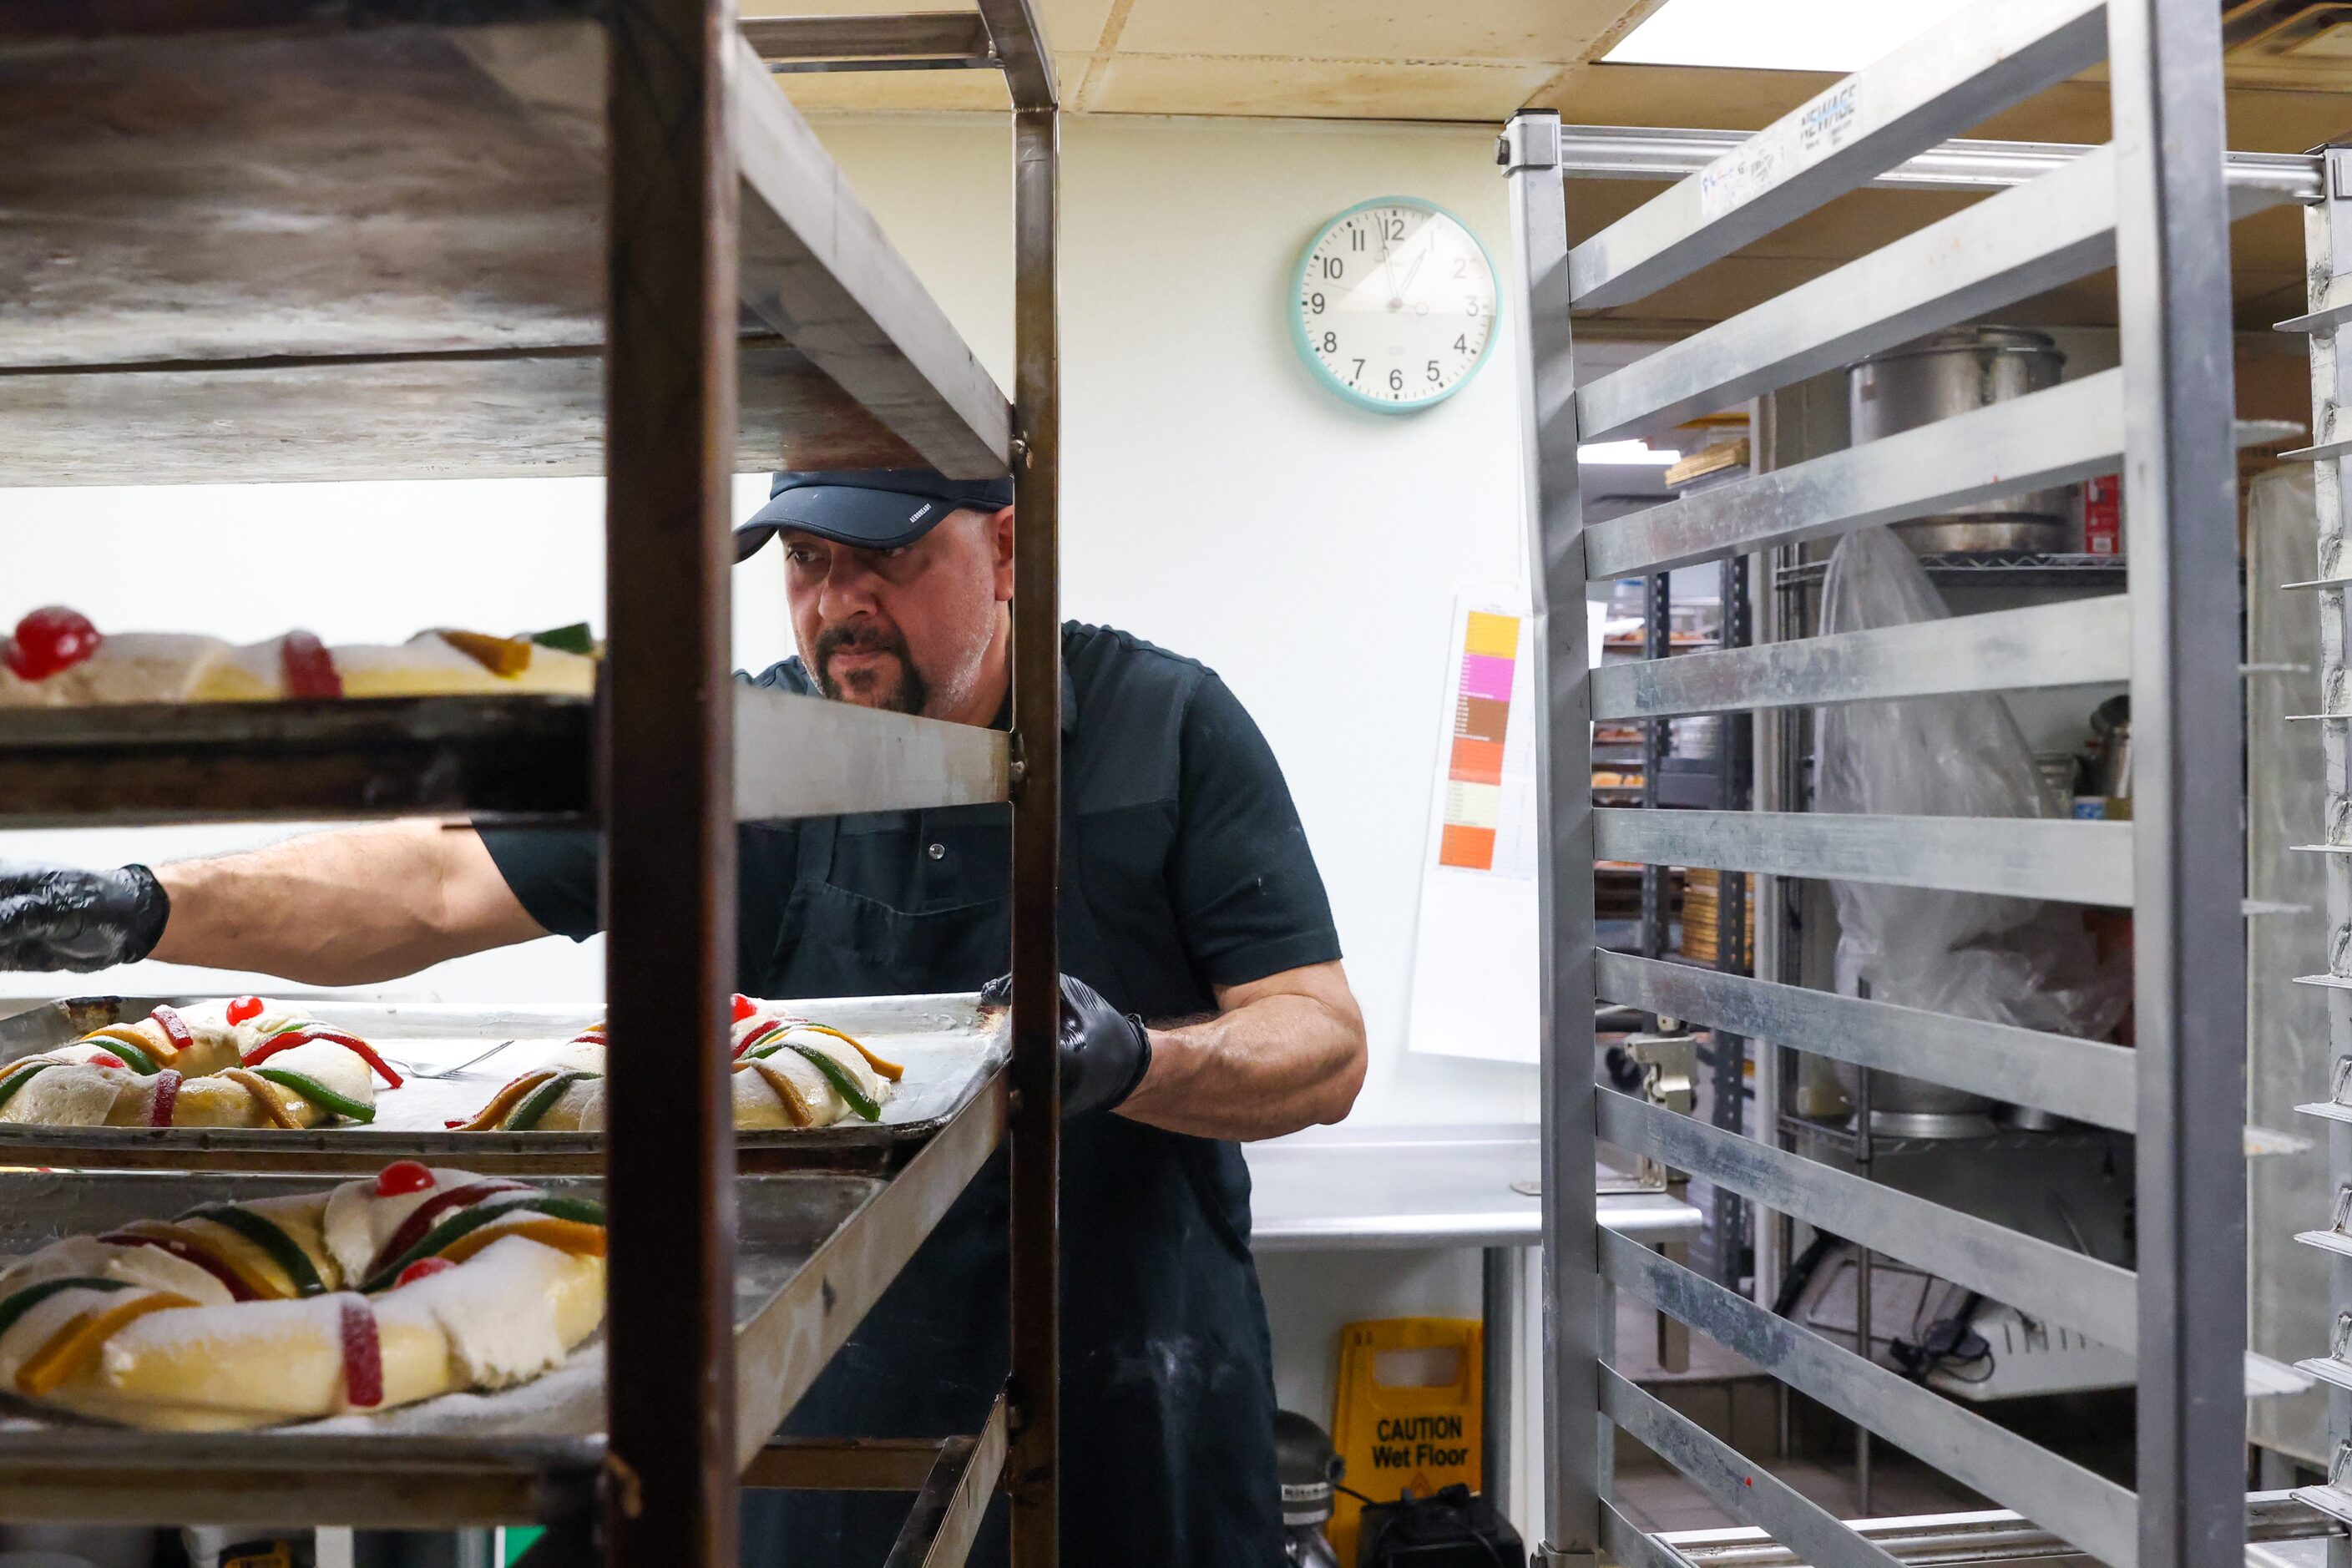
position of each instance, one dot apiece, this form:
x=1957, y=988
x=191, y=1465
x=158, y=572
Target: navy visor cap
x=872, y=509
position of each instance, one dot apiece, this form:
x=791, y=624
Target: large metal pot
x=1957, y=372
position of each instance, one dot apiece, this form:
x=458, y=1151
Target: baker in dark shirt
x=1189, y=899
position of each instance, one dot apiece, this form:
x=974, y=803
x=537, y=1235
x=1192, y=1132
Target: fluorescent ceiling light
x=1777, y=35
x=1626, y=452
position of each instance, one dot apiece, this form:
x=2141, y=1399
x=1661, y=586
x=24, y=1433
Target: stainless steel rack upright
x=257, y=239
x=2327, y=243
x=2154, y=204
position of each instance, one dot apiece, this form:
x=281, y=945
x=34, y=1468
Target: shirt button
x=936, y=851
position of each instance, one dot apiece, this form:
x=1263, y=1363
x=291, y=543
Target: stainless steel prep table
x=1473, y=1184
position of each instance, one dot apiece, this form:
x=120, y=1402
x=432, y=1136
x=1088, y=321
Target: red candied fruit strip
x=351, y=1043
x=49, y=639
x=104, y=1059
x=238, y=1290
x=363, y=1354
x=309, y=670
x=167, y=1099
x=175, y=1028
x=420, y=1219
x=744, y=1007
x=244, y=1008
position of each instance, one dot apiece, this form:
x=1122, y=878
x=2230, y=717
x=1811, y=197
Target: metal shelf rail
x=362, y=242
x=2153, y=205
x=2327, y=243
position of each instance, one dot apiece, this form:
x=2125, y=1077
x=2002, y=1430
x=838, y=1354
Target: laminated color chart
x=1475, y=972
x=1488, y=823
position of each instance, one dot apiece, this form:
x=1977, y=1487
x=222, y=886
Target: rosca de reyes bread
x=57, y=659
x=242, y=1063
x=377, y=1293
x=788, y=1072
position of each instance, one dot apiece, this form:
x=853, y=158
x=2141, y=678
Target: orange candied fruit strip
x=73, y=1349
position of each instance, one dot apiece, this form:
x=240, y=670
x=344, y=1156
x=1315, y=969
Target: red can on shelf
x=2102, y=515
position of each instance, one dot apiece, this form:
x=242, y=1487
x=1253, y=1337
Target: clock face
x=1395, y=304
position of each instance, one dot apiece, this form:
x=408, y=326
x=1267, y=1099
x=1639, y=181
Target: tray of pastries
x=445, y=1314
x=55, y=657
x=335, y=1084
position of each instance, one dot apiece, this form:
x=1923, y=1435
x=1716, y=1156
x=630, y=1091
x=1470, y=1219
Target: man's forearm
x=349, y=908
x=1272, y=1064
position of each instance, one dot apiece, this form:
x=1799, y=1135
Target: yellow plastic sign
x=1408, y=1413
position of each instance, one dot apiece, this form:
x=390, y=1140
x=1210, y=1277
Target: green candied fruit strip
x=22, y=1302
x=838, y=1076
x=16, y=1080
x=534, y=1108
x=465, y=1223
x=318, y=1093
x=573, y=639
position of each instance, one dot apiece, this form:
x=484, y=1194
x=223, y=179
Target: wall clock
x=1394, y=304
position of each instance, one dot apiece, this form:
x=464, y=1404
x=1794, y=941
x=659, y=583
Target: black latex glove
x=1105, y=1052
x=62, y=917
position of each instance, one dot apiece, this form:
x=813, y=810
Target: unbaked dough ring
x=197, y=1070
x=291, y=1309
x=779, y=1080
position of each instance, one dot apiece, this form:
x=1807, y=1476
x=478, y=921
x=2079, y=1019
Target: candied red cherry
x=744, y=1007
x=244, y=1008
x=309, y=670
x=402, y=1177
x=423, y=1268
x=50, y=639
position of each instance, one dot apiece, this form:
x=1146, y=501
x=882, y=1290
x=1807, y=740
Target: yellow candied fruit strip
x=264, y=1287
x=162, y=1054
x=503, y=1104
x=577, y=1237
x=505, y=657
x=73, y=1349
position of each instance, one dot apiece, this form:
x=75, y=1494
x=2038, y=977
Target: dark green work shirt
x=1185, y=869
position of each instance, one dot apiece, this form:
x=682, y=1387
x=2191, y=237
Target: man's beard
x=908, y=696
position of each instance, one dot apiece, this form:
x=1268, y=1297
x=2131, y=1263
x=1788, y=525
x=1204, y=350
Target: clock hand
x=1412, y=272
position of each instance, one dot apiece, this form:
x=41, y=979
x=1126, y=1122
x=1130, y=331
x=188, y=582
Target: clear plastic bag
x=2009, y=960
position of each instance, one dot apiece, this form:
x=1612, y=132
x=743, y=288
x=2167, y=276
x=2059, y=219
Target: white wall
x=1216, y=501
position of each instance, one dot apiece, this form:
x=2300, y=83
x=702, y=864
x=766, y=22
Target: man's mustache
x=859, y=638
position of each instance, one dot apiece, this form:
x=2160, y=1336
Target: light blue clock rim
x=1322, y=371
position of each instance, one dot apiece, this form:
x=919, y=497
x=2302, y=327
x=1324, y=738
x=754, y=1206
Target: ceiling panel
x=1072, y=27
x=956, y=92
x=1346, y=89
x=1556, y=31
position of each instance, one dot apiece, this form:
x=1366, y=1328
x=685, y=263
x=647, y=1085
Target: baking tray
x=948, y=1044
x=461, y=1459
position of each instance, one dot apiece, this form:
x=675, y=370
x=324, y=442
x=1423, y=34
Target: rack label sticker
x=1781, y=150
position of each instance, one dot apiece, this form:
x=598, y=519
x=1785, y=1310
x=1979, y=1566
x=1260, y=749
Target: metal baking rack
x=339, y=242
x=2151, y=206
x=950, y=1046
x=2327, y=245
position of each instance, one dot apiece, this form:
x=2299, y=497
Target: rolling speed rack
x=2154, y=204
x=308, y=239
x=2327, y=245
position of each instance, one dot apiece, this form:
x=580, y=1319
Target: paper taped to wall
x=1475, y=967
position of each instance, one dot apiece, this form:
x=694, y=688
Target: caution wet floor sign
x=1408, y=1413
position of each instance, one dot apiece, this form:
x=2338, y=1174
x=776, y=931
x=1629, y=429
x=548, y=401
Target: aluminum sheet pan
x=460, y=1459
x=946, y=1042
